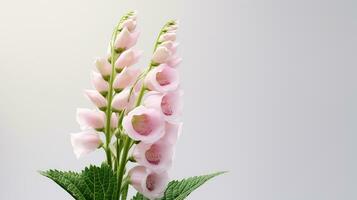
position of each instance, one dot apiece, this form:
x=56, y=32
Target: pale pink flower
x=127, y=59
x=99, y=83
x=130, y=24
x=87, y=118
x=171, y=46
x=114, y=121
x=174, y=61
x=172, y=28
x=161, y=55
x=151, y=184
x=125, y=39
x=172, y=133
x=96, y=98
x=169, y=104
x=85, y=142
x=126, y=78
x=171, y=36
x=103, y=66
x=122, y=101
x=162, y=79
x=144, y=124
x=158, y=156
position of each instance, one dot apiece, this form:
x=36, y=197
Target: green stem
x=123, y=161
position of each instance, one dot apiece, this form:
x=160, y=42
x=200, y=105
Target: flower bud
x=171, y=46
x=151, y=184
x=104, y=67
x=126, y=78
x=85, y=142
x=88, y=119
x=99, y=83
x=162, y=79
x=96, y=98
x=122, y=101
x=130, y=24
x=125, y=39
x=168, y=37
x=144, y=124
x=161, y=55
x=127, y=59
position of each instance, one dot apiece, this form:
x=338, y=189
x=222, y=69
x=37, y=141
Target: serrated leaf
x=93, y=183
x=179, y=190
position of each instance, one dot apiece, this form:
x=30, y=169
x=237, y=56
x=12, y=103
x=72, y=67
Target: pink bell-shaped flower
x=162, y=79
x=125, y=39
x=174, y=61
x=171, y=46
x=130, y=24
x=151, y=184
x=96, y=98
x=99, y=83
x=103, y=66
x=171, y=36
x=88, y=119
x=122, y=101
x=169, y=104
x=85, y=142
x=144, y=124
x=127, y=59
x=126, y=78
x=161, y=55
x=158, y=156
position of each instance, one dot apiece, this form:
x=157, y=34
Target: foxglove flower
x=123, y=101
x=85, y=142
x=99, y=83
x=126, y=39
x=88, y=119
x=151, y=184
x=104, y=67
x=174, y=61
x=158, y=156
x=127, y=59
x=161, y=55
x=162, y=79
x=169, y=104
x=130, y=24
x=144, y=124
x=171, y=46
x=126, y=78
x=96, y=98
x=171, y=36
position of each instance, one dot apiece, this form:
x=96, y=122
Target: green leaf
x=179, y=190
x=93, y=183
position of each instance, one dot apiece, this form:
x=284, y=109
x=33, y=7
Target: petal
x=162, y=79
x=85, y=142
x=144, y=124
x=96, y=98
x=90, y=118
x=161, y=55
x=99, y=83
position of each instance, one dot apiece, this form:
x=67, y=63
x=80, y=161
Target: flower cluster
x=137, y=111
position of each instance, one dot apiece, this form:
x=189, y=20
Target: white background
x=270, y=92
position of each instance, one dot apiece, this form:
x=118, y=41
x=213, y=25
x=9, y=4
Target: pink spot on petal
x=162, y=78
x=153, y=155
x=142, y=124
x=150, y=182
x=166, y=106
